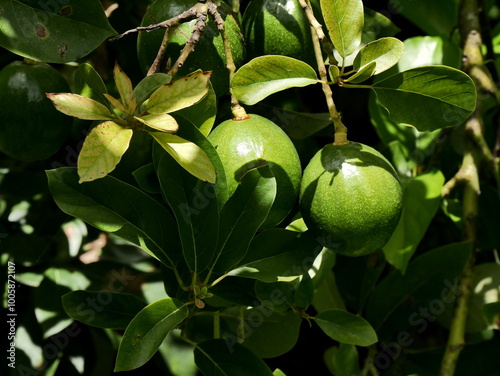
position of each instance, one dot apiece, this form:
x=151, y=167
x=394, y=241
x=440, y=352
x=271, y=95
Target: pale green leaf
x=115, y=103
x=179, y=94
x=385, y=52
x=123, y=84
x=146, y=332
x=102, y=150
x=334, y=73
x=363, y=73
x=160, y=122
x=188, y=155
x=344, y=20
x=266, y=75
x=80, y=107
x=428, y=97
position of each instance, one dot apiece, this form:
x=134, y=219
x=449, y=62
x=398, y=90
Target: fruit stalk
x=317, y=37
x=468, y=175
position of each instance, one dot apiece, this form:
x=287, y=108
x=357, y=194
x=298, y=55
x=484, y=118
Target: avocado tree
x=262, y=187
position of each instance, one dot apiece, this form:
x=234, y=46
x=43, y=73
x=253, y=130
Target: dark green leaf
x=421, y=200
x=147, y=180
x=345, y=327
x=428, y=98
x=55, y=32
x=277, y=296
x=102, y=309
x=194, y=205
x=433, y=17
x=344, y=20
x=146, y=332
x=148, y=85
x=447, y=262
x=242, y=216
x=342, y=360
x=376, y=26
x=304, y=293
x=218, y=358
x=116, y=207
x=266, y=75
x=88, y=83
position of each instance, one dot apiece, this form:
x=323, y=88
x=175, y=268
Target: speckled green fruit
x=245, y=144
x=350, y=196
x=209, y=54
x=277, y=27
x=31, y=128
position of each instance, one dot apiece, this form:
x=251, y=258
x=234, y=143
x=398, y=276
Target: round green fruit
x=31, y=128
x=209, y=54
x=244, y=144
x=350, y=196
x=278, y=27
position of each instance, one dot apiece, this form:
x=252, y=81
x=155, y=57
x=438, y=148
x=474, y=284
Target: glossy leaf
x=189, y=155
x=102, y=150
x=146, y=178
x=123, y=84
x=421, y=200
x=385, y=52
x=268, y=334
x=160, y=122
x=202, y=114
x=179, y=94
x=80, y=107
x=216, y=358
x=55, y=32
x=146, y=332
x=88, y=83
x=102, y=309
x=118, y=208
x=447, y=263
x=266, y=75
x=345, y=327
x=195, y=208
x=149, y=84
x=242, y=215
x=421, y=97
x=344, y=20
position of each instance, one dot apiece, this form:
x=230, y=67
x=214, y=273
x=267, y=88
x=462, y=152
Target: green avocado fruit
x=31, y=129
x=278, y=27
x=209, y=53
x=243, y=145
x=351, y=197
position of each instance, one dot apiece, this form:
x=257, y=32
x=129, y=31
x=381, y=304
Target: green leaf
x=189, y=155
x=202, y=114
x=146, y=178
x=80, y=107
x=364, y=73
x=146, y=332
x=267, y=334
x=346, y=328
x=179, y=94
x=88, y=83
x=447, y=263
x=344, y=20
x=385, y=52
x=216, y=358
x=102, y=309
x=102, y=150
x=119, y=208
x=377, y=25
x=342, y=360
x=428, y=98
x=55, y=32
x=149, y=84
x=276, y=296
x=160, y=122
x=266, y=75
x=195, y=208
x=421, y=200
x=278, y=372
x=123, y=84
x=278, y=255
x=433, y=17
x=242, y=216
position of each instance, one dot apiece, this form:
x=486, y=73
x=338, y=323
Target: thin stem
x=217, y=325
x=317, y=35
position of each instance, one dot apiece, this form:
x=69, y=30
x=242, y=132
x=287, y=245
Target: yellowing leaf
x=80, y=107
x=160, y=122
x=102, y=150
x=189, y=155
x=116, y=103
x=179, y=94
x=123, y=84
